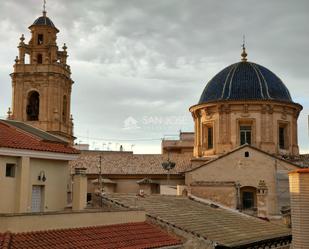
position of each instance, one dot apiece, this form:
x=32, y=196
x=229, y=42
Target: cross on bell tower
x=41, y=81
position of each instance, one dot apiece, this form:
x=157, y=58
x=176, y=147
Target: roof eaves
x=281, y=239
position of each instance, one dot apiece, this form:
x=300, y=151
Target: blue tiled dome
x=44, y=20
x=245, y=81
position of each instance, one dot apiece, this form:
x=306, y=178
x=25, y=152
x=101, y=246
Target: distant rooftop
x=129, y=163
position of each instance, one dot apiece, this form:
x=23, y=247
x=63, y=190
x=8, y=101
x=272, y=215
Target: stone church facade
x=42, y=83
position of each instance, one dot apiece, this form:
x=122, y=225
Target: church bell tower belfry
x=42, y=82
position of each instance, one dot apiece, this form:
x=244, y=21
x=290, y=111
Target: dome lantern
x=244, y=54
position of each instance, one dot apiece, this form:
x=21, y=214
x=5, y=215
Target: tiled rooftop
x=129, y=163
x=3, y=240
x=139, y=235
x=302, y=160
x=44, y=20
x=225, y=227
x=15, y=137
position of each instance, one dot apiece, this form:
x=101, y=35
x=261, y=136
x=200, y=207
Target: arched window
x=40, y=39
x=33, y=106
x=39, y=59
x=27, y=58
x=64, y=109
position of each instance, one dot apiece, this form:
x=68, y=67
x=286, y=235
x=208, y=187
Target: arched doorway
x=248, y=197
x=33, y=106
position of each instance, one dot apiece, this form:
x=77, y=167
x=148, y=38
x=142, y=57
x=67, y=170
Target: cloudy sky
x=138, y=65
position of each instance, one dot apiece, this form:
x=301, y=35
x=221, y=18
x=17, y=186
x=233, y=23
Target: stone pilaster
x=23, y=186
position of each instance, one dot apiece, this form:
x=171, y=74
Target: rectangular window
x=210, y=143
x=40, y=39
x=282, y=137
x=39, y=59
x=245, y=134
x=37, y=198
x=89, y=197
x=248, y=200
x=10, y=170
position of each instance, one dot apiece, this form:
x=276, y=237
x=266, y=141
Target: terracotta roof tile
x=129, y=163
x=139, y=235
x=5, y=240
x=1, y=240
x=15, y=138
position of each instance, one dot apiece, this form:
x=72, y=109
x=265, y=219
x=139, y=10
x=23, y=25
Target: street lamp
x=168, y=165
x=100, y=180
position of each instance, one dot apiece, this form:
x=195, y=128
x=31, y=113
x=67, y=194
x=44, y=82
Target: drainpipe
x=238, y=204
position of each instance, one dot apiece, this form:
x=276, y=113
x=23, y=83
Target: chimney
x=299, y=192
x=79, y=201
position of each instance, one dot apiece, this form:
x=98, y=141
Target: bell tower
x=41, y=81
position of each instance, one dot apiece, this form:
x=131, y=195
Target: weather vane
x=244, y=53
x=44, y=6
x=243, y=41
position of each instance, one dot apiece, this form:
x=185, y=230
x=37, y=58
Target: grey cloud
x=138, y=58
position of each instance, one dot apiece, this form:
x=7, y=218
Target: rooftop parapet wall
x=41, y=68
x=60, y=220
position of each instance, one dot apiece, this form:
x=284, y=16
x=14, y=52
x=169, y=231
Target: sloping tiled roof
x=129, y=163
x=44, y=21
x=302, y=160
x=223, y=226
x=2, y=238
x=139, y=235
x=15, y=137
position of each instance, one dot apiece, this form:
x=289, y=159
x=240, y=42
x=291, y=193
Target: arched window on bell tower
x=33, y=106
x=40, y=39
x=27, y=58
x=39, y=58
x=64, y=109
